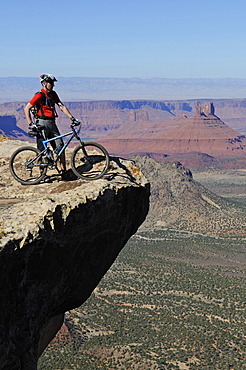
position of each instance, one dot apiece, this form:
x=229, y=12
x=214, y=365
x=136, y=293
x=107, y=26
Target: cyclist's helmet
x=46, y=77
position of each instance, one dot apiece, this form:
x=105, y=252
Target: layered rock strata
x=185, y=139
x=57, y=242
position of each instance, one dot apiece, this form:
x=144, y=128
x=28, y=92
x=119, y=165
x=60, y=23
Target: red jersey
x=45, y=103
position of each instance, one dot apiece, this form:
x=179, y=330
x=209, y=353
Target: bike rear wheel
x=90, y=161
x=27, y=167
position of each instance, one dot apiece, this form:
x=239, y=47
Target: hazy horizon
x=109, y=88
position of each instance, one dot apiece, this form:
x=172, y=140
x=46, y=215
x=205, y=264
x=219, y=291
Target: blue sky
x=130, y=38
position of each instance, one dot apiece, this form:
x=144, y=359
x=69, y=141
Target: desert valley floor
x=173, y=300
x=175, y=297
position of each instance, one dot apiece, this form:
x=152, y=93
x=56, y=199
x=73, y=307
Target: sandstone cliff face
x=8, y=127
x=155, y=128
x=101, y=117
x=203, y=134
x=57, y=241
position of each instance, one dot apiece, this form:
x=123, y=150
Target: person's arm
x=65, y=110
x=30, y=104
x=27, y=111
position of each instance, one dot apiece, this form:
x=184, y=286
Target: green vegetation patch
x=171, y=300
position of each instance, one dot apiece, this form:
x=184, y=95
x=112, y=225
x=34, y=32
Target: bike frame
x=73, y=134
x=89, y=160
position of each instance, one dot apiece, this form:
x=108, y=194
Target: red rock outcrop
x=102, y=117
x=164, y=130
x=203, y=134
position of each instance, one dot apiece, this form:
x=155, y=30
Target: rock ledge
x=57, y=241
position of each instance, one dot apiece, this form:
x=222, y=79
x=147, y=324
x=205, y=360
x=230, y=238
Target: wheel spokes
x=26, y=166
x=90, y=162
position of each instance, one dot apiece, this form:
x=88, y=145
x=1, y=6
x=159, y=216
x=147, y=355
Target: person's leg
x=63, y=161
x=40, y=137
x=58, y=145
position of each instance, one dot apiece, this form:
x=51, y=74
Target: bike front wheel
x=27, y=165
x=90, y=161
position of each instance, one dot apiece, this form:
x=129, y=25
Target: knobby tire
x=21, y=172
x=90, y=161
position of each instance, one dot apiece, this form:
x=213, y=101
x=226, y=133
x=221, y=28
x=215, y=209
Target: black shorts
x=49, y=131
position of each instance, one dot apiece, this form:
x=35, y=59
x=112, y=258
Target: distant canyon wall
x=9, y=128
x=101, y=117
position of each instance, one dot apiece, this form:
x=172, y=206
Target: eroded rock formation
x=57, y=241
x=8, y=127
x=102, y=117
x=179, y=202
x=184, y=139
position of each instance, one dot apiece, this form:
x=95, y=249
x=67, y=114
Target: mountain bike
x=29, y=165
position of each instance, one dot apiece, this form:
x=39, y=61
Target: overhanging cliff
x=57, y=241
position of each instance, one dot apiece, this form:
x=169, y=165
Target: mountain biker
x=45, y=101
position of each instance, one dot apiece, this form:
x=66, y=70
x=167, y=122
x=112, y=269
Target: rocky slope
x=179, y=202
x=57, y=240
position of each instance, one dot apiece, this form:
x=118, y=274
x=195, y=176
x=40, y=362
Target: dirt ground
x=227, y=183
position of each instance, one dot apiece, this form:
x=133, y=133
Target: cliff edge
x=57, y=242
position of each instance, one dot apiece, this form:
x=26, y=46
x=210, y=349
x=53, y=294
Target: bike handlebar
x=75, y=124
